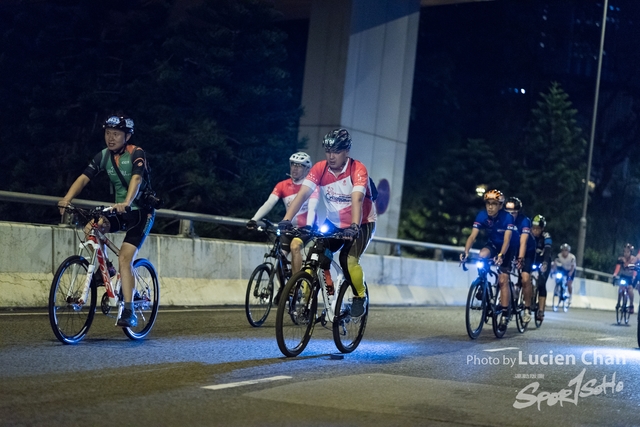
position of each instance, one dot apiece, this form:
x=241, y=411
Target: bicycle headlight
x=534, y=267
x=623, y=282
x=480, y=264
x=558, y=275
x=324, y=228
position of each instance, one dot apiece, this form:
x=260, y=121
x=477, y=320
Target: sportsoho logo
x=581, y=386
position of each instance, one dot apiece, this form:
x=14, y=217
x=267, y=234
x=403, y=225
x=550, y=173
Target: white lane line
x=501, y=349
x=607, y=339
x=241, y=383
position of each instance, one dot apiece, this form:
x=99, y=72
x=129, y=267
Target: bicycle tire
x=518, y=302
x=638, y=330
x=296, y=315
x=476, y=306
x=146, y=299
x=497, y=314
x=536, y=304
x=259, y=297
x=619, y=309
x=557, y=297
x=625, y=309
x=348, y=331
x=71, y=322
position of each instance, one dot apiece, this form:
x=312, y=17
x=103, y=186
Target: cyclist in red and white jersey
x=344, y=189
x=286, y=190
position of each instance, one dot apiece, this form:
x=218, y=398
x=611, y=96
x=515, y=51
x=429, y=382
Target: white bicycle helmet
x=301, y=158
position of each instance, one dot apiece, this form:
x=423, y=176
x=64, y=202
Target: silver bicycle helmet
x=301, y=158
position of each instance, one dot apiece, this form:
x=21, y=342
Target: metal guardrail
x=10, y=196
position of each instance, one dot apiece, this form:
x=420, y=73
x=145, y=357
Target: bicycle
x=481, y=300
x=73, y=294
x=560, y=296
x=622, y=307
x=517, y=304
x=298, y=307
x=274, y=268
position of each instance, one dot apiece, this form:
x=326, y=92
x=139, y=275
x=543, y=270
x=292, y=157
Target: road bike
x=74, y=291
x=266, y=278
x=560, y=295
x=622, y=307
x=298, y=310
x=481, y=300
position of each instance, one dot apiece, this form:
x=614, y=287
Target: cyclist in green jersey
x=126, y=166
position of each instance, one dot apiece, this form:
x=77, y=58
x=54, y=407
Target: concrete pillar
x=359, y=75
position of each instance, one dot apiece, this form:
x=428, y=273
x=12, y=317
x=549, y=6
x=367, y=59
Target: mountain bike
x=74, y=291
x=266, y=278
x=622, y=306
x=481, y=300
x=560, y=295
x=298, y=310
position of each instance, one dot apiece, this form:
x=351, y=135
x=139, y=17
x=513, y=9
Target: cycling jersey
x=131, y=161
x=567, y=263
x=336, y=191
x=496, y=226
x=287, y=191
x=523, y=225
x=623, y=269
x=543, y=248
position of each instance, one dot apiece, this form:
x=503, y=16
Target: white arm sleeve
x=311, y=212
x=266, y=208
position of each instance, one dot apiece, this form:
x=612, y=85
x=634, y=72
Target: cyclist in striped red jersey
x=344, y=188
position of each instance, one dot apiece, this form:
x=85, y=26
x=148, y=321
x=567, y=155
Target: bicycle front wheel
x=146, y=298
x=259, y=294
x=476, y=309
x=536, y=304
x=557, y=297
x=71, y=318
x=619, y=309
x=519, y=310
x=347, y=330
x=296, y=315
x=625, y=311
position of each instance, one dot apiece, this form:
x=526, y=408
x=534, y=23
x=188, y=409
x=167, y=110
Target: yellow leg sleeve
x=357, y=275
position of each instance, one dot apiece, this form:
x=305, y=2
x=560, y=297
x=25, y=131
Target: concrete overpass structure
x=359, y=75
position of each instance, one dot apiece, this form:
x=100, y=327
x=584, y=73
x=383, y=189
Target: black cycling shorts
x=507, y=258
x=137, y=223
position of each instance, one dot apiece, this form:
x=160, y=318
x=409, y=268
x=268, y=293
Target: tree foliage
x=205, y=85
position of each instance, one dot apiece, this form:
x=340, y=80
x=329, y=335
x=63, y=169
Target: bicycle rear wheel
x=296, y=315
x=497, y=314
x=70, y=319
x=347, y=330
x=146, y=298
x=519, y=310
x=476, y=309
x=259, y=294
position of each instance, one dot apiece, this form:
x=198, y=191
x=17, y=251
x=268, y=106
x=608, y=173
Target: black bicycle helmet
x=539, y=221
x=337, y=140
x=122, y=123
x=513, y=204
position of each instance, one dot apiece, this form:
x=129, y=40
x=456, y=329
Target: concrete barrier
x=200, y=272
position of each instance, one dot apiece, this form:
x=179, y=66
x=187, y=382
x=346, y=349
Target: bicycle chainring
x=104, y=304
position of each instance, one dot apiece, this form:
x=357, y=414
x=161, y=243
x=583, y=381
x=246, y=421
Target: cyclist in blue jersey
x=499, y=226
x=526, y=252
x=543, y=259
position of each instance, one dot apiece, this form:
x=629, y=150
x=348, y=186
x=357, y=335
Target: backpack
x=372, y=185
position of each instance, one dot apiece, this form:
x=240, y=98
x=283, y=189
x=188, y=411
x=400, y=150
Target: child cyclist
x=500, y=227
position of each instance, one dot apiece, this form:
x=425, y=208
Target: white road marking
x=607, y=339
x=501, y=349
x=241, y=383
